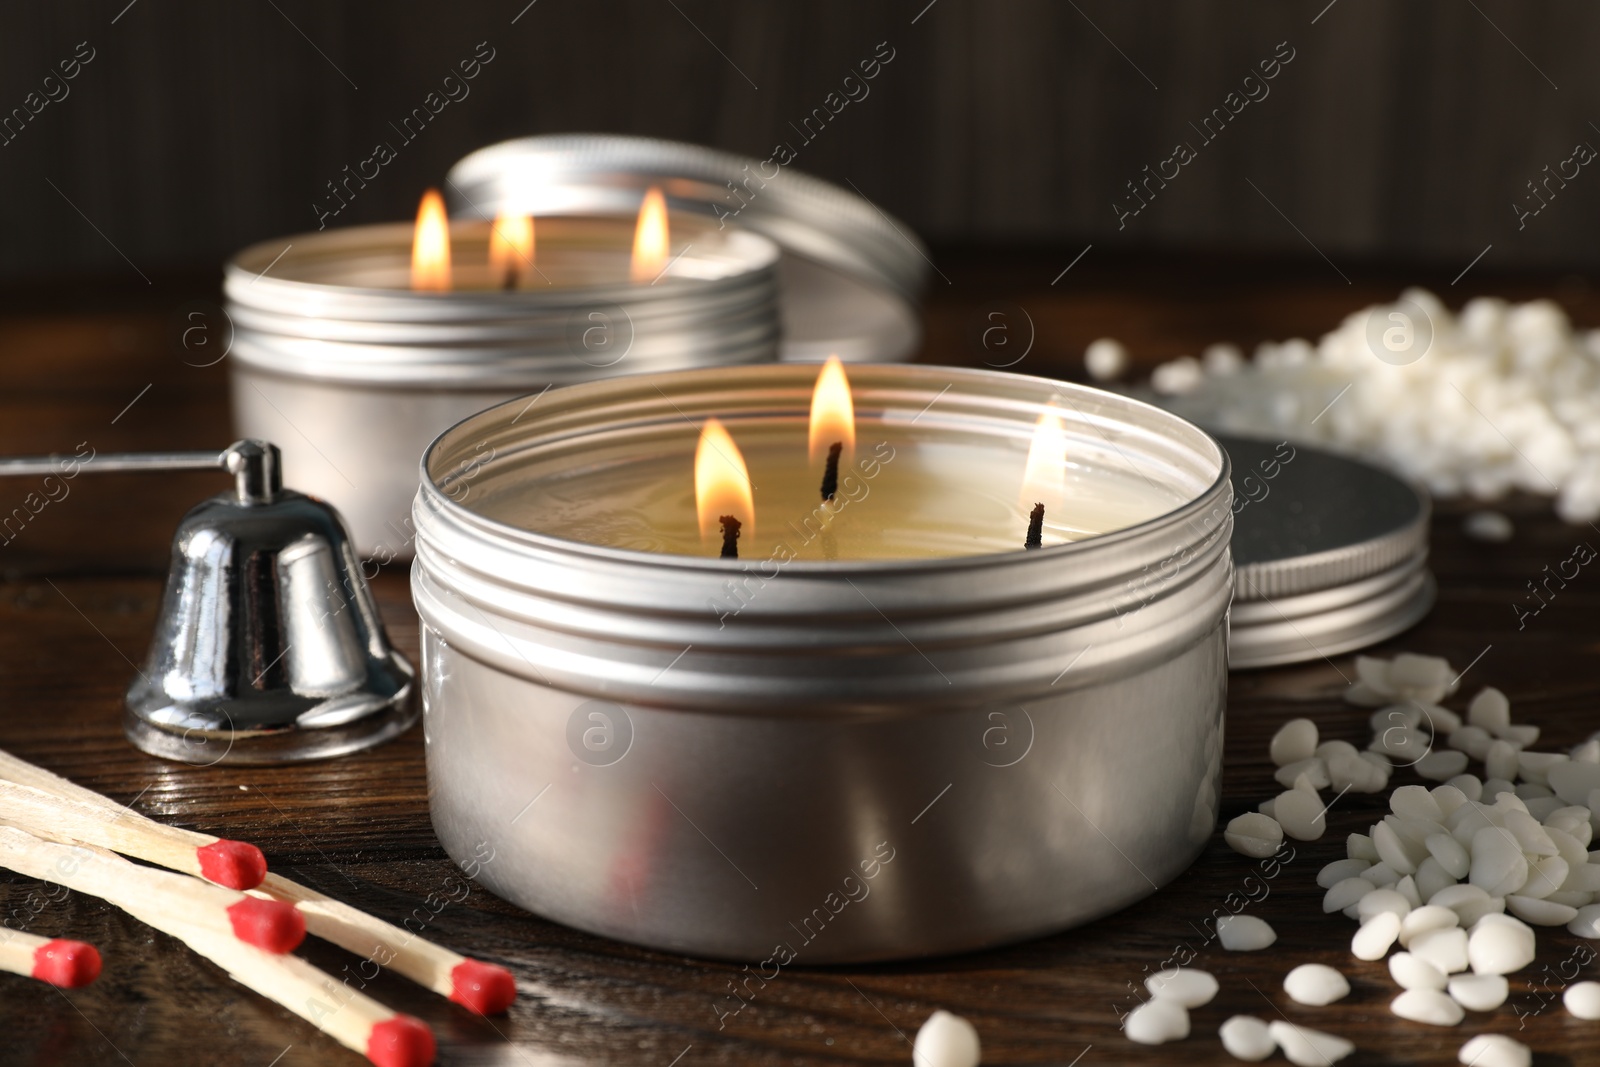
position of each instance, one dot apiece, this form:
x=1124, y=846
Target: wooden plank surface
x=77, y=605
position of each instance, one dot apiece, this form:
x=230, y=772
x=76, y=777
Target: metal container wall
x=354, y=374
x=873, y=760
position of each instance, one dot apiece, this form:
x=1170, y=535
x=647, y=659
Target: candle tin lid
x=1329, y=552
x=850, y=276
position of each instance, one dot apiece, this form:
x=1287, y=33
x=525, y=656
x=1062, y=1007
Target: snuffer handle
x=255, y=465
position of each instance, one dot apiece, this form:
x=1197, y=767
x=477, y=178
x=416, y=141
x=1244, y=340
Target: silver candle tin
x=850, y=277
x=873, y=760
x=353, y=374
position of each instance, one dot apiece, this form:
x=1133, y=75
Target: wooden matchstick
x=481, y=987
x=268, y=924
x=235, y=864
x=68, y=964
x=353, y=1019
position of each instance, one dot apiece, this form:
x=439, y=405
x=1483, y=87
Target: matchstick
x=481, y=987
x=235, y=864
x=268, y=924
x=353, y=1019
x=68, y=964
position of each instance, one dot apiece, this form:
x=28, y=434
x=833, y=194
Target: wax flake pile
x=1450, y=886
x=1496, y=398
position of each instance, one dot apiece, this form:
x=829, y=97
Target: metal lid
x=1329, y=553
x=851, y=276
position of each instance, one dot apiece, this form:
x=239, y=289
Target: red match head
x=401, y=1042
x=483, y=987
x=235, y=864
x=68, y=964
x=272, y=925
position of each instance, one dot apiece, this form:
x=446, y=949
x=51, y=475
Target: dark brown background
x=1400, y=130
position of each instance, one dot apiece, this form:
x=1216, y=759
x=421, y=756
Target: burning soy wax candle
x=923, y=740
x=952, y=493
x=355, y=347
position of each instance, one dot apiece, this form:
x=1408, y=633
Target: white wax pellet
x=1544, y=878
x=1178, y=376
x=1156, y=1021
x=1315, y=984
x=1587, y=922
x=1495, y=1050
x=1105, y=359
x=1345, y=892
x=1414, y=972
x=1445, y=949
x=1183, y=985
x=1381, y=900
x=1540, y=912
x=1426, y=919
x=1519, y=734
x=948, y=1040
x=1372, y=941
x=1312, y=771
x=1479, y=992
x=1359, y=847
x=1254, y=834
x=1427, y=1006
x=1441, y=765
x=1339, y=870
x=1536, y=766
x=1305, y=1047
x=1407, y=887
x=1490, y=526
x=1471, y=785
x=1391, y=850
x=1302, y=815
x=1222, y=360
x=1497, y=947
x=1573, y=780
x=1244, y=933
x=1489, y=710
x=1588, y=752
x=1247, y=1038
x=1415, y=802
x=1294, y=741
x=1501, y=760
x=1473, y=740
x=1448, y=796
x=1431, y=878
x=1469, y=902
x=1450, y=853
x=1583, y=999
x=1498, y=865
x=1530, y=834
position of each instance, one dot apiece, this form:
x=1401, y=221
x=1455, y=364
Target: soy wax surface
x=904, y=495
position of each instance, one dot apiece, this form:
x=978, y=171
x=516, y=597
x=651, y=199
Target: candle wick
x=730, y=537
x=1035, y=528
x=510, y=281
x=830, y=474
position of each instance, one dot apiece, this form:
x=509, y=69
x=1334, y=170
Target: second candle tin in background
x=352, y=373
x=850, y=277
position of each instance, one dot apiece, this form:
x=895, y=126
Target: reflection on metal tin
x=850, y=276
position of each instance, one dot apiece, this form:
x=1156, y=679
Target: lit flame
x=511, y=248
x=833, y=413
x=651, y=238
x=1044, y=480
x=721, y=483
x=430, y=247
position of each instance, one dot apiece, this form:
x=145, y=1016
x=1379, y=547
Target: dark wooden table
x=107, y=365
